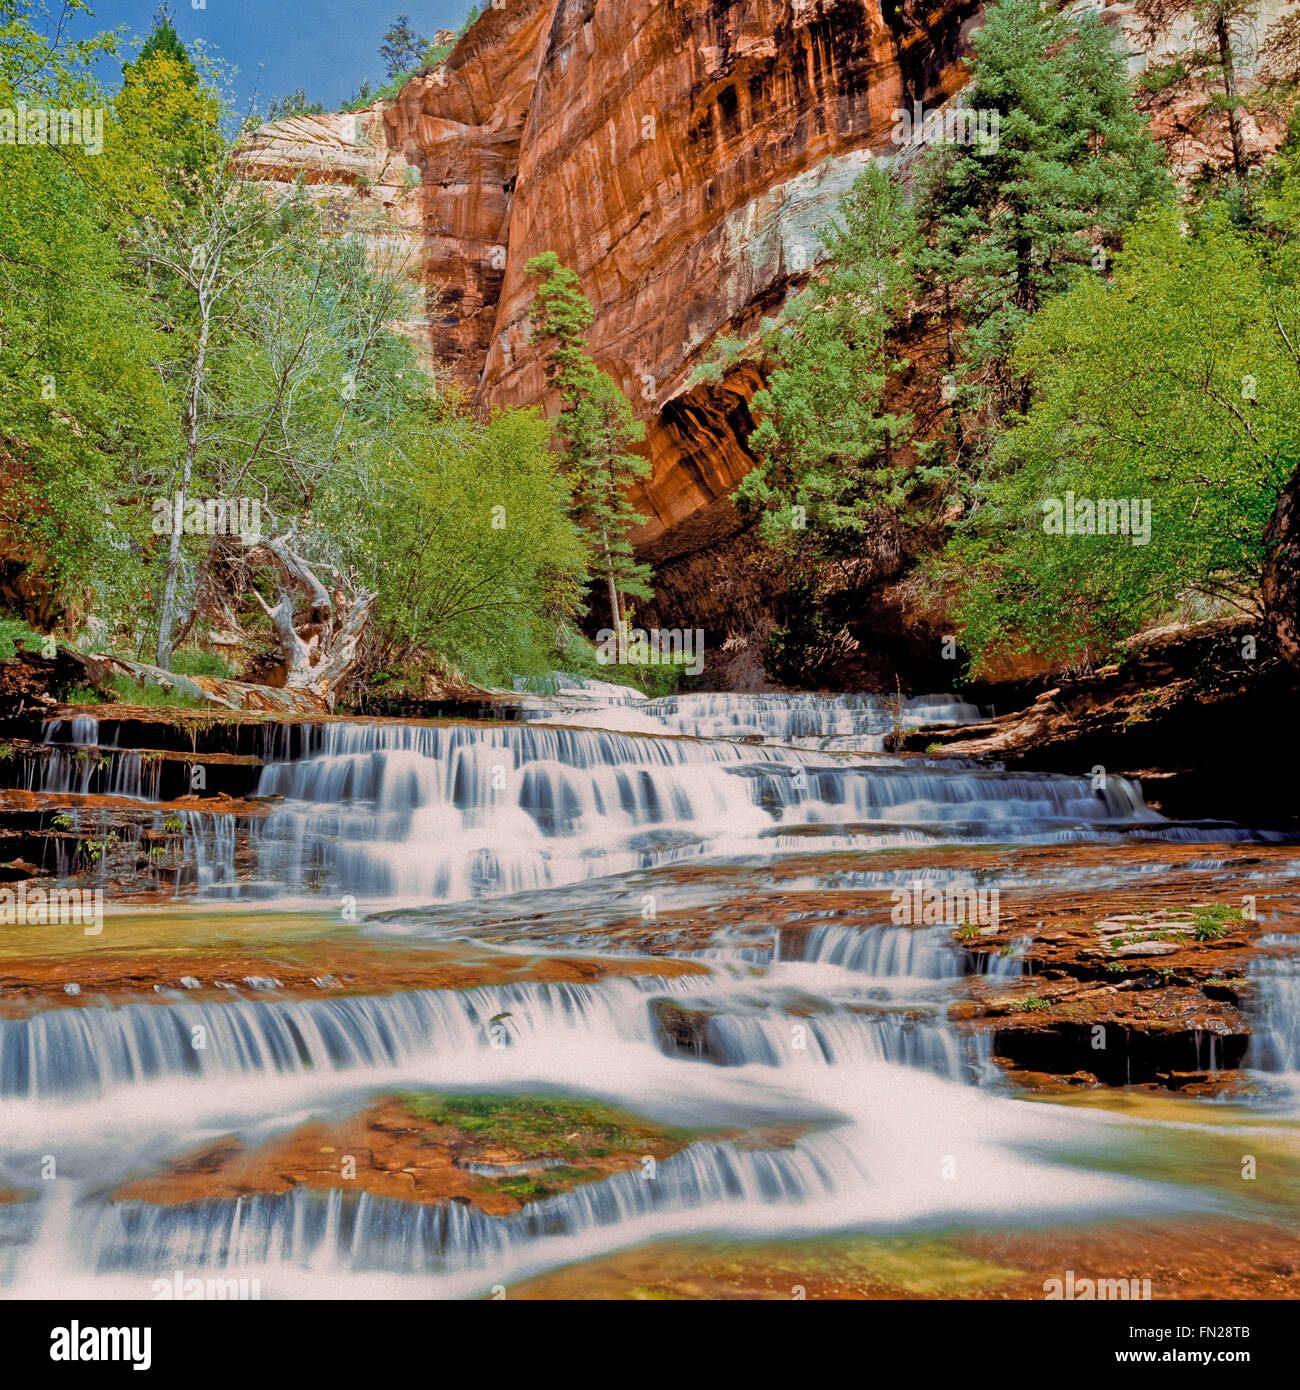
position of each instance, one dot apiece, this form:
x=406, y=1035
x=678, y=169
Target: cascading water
x=851, y=723
x=79, y=763
x=1275, y=1043
x=838, y=1032
x=507, y=808
x=837, y=721
x=96, y=1051
x=370, y=1233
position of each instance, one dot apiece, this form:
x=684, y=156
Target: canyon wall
x=682, y=156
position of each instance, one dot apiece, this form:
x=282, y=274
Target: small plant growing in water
x=1036, y=1004
x=95, y=849
x=1211, y=923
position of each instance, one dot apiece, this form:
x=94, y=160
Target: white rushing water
x=838, y=1035
x=856, y=723
x=424, y=813
x=132, y=1087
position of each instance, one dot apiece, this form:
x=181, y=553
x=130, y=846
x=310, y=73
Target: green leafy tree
x=199, y=261
x=167, y=328
x=80, y=405
x=1175, y=388
x=463, y=530
x=597, y=427
x=830, y=452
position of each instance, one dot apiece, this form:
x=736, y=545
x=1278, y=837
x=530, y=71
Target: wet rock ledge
x=1152, y=996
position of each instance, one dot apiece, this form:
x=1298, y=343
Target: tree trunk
x=1280, y=581
x=167, y=615
x=320, y=649
x=615, y=608
x=1224, y=39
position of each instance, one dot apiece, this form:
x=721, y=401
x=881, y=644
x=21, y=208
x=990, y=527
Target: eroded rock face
x=681, y=158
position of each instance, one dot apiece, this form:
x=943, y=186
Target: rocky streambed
x=436, y=1006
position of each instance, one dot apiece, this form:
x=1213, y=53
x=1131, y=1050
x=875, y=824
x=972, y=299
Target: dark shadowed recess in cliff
x=928, y=47
x=700, y=424
x=764, y=629
x=827, y=56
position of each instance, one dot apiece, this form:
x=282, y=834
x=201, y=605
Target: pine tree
x=165, y=42
x=1212, y=31
x=1011, y=220
x=597, y=426
x=828, y=448
x=402, y=47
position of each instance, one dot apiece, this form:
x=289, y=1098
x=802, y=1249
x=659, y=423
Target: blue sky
x=324, y=46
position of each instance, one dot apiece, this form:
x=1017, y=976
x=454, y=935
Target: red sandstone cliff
x=679, y=156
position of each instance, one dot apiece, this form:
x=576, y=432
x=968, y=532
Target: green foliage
x=402, y=47
x=597, y=428
x=1010, y=222
x=167, y=328
x=164, y=42
x=828, y=447
x=83, y=410
x=364, y=97
x=1214, y=922
x=558, y=1179
x=406, y=55
x=990, y=234
x=542, y=1126
x=1176, y=383
x=78, y=403
x=199, y=663
x=726, y=353
x=462, y=529
x=295, y=103
x=151, y=694
x=14, y=633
